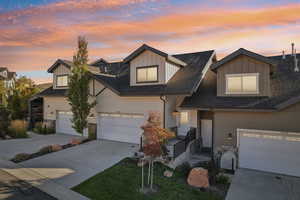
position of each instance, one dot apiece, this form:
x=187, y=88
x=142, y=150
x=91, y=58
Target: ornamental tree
x=154, y=139
x=78, y=93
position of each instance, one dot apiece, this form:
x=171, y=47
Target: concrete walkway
x=9, y=148
x=40, y=182
x=74, y=165
x=256, y=185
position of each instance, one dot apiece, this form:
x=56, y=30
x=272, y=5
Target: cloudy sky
x=34, y=33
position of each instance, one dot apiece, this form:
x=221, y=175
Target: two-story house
x=252, y=102
x=8, y=79
x=148, y=80
x=221, y=100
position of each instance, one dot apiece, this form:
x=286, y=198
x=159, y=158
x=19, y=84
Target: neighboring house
x=252, y=102
x=8, y=79
x=191, y=91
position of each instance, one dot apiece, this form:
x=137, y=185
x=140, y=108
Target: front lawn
x=122, y=182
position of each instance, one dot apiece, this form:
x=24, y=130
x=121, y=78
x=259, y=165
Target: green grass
x=122, y=182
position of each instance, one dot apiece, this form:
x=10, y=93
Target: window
x=147, y=74
x=62, y=80
x=242, y=83
x=184, y=118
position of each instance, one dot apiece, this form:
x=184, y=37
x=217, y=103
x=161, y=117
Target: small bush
x=18, y=129
x=222, y=179
x=45, y=150
x=4, y=121
x=43, y=128
x=184, y=168
x=21, y=157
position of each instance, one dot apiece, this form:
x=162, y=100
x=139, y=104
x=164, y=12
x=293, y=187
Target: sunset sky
x=34, y=33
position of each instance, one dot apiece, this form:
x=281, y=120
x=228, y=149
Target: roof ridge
x=193, y=52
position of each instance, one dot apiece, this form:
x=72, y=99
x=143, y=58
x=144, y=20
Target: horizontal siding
x=228, y=122
x=244, y=64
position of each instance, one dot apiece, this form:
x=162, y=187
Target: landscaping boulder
x=198, y=177
x=168, y=173
x=75, y=141
x=56, y=147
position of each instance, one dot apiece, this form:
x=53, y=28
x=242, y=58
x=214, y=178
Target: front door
x=206, y=133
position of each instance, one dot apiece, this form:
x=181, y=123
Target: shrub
x=4, y=121
x=222, y=179
x=184, y=169
x=45, y=150
x=43, y=128
x=18, y=129
x=21, y=157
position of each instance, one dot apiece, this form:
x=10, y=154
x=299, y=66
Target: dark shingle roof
x=53, y=92
x=285, y=89
x=239, y=52
x=184, y=81
x=145, y=47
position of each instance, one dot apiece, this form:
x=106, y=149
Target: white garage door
x=269, y=151
x=120, y=127
x=64, y=124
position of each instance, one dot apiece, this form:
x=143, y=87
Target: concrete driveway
x=256, y=185
x=74, y=165
x=9, y=148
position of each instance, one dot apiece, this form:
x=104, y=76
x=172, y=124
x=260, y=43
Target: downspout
x=164, y=110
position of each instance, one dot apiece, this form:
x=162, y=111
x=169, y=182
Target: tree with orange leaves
x=154, y=139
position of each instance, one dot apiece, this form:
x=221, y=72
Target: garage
x=120, y=127
x=269, y=151
x=64, y=124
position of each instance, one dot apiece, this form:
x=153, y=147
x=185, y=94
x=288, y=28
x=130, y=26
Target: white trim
x=242, y=75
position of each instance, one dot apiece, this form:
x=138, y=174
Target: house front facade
x=227, y=102
x=148, y=80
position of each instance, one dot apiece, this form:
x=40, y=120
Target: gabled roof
x=285, y=90
x=145, y=47
x=58, y=62
x=184, y=82
x=245, y=52
x=99, y=62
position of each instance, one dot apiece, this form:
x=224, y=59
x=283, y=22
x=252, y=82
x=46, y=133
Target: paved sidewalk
x=40, y=182
x=12, y=188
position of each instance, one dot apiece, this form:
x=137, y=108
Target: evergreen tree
x=78, y=93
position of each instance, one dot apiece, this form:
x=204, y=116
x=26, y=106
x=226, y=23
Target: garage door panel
x=118, y=127
x=278, y=152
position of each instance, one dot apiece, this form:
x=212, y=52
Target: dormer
x=61, y=70
x=244, y=73
x=149, y=66
x=3, y=72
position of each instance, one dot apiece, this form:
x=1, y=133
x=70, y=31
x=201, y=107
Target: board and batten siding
x=60, y=70
x=148, y=58
x=240, y=65
x=228, y=122
x=171, y=69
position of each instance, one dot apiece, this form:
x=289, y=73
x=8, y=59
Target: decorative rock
x=168, y=173
x=198, y=177
x=56, y=147
x=75, y=141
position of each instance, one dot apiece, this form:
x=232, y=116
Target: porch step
x=196, y=159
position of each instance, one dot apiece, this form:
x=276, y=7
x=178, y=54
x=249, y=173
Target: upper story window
x=61, y=80
x=147, y=74
x=242, y=83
